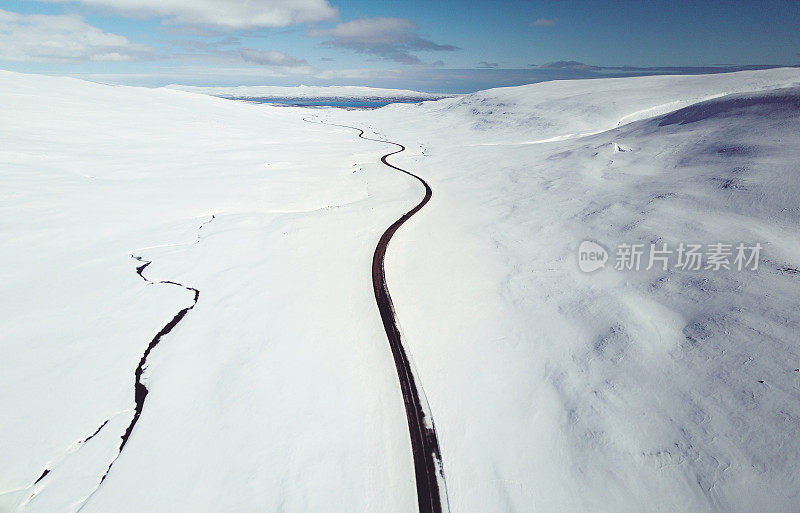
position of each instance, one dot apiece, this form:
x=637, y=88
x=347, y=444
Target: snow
x=277, y=390
x=303, y=91
x=555, y=390
x=552, y=390
x=573, y=108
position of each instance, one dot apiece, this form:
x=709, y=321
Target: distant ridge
x=327, y=92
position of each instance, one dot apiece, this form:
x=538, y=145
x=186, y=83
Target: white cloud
x=271, y=58
x=359, y=74
x=388, y=38
x=59, y=38
x=227, y=14
x=193, y=45
x=278, y=60
x=544, y=22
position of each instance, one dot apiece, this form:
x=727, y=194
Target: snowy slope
x=566, y=109
x=555, y=390
x=552, y=390
x=277, y=390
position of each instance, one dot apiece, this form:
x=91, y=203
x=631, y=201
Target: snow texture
x=553, y=390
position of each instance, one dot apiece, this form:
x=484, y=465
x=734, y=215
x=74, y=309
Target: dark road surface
x=431, y=488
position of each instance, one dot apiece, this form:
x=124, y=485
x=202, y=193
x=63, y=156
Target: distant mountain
x=571, y=65
x=327, y=92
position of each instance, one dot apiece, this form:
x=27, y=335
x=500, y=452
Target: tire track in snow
x=428, y=468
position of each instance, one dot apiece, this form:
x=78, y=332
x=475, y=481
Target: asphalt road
x=428, y=470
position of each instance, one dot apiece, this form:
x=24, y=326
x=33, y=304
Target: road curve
x=428, y=470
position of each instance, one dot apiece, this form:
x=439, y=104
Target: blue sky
x=434, y=45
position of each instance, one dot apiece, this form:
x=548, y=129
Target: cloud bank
x=275, y=59
x=544, y=22
x=391, y=39
x=568, y=65
x=62, y=38
x=225, y=14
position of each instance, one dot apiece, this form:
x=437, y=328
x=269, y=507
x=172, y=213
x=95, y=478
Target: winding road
x=428, y=469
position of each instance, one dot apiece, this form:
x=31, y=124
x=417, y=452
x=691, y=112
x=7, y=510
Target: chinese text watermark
x=686, y=257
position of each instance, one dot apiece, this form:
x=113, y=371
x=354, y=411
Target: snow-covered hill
x=553, y=390
x=276, y=391
x=571, y=108
x=556, y=390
